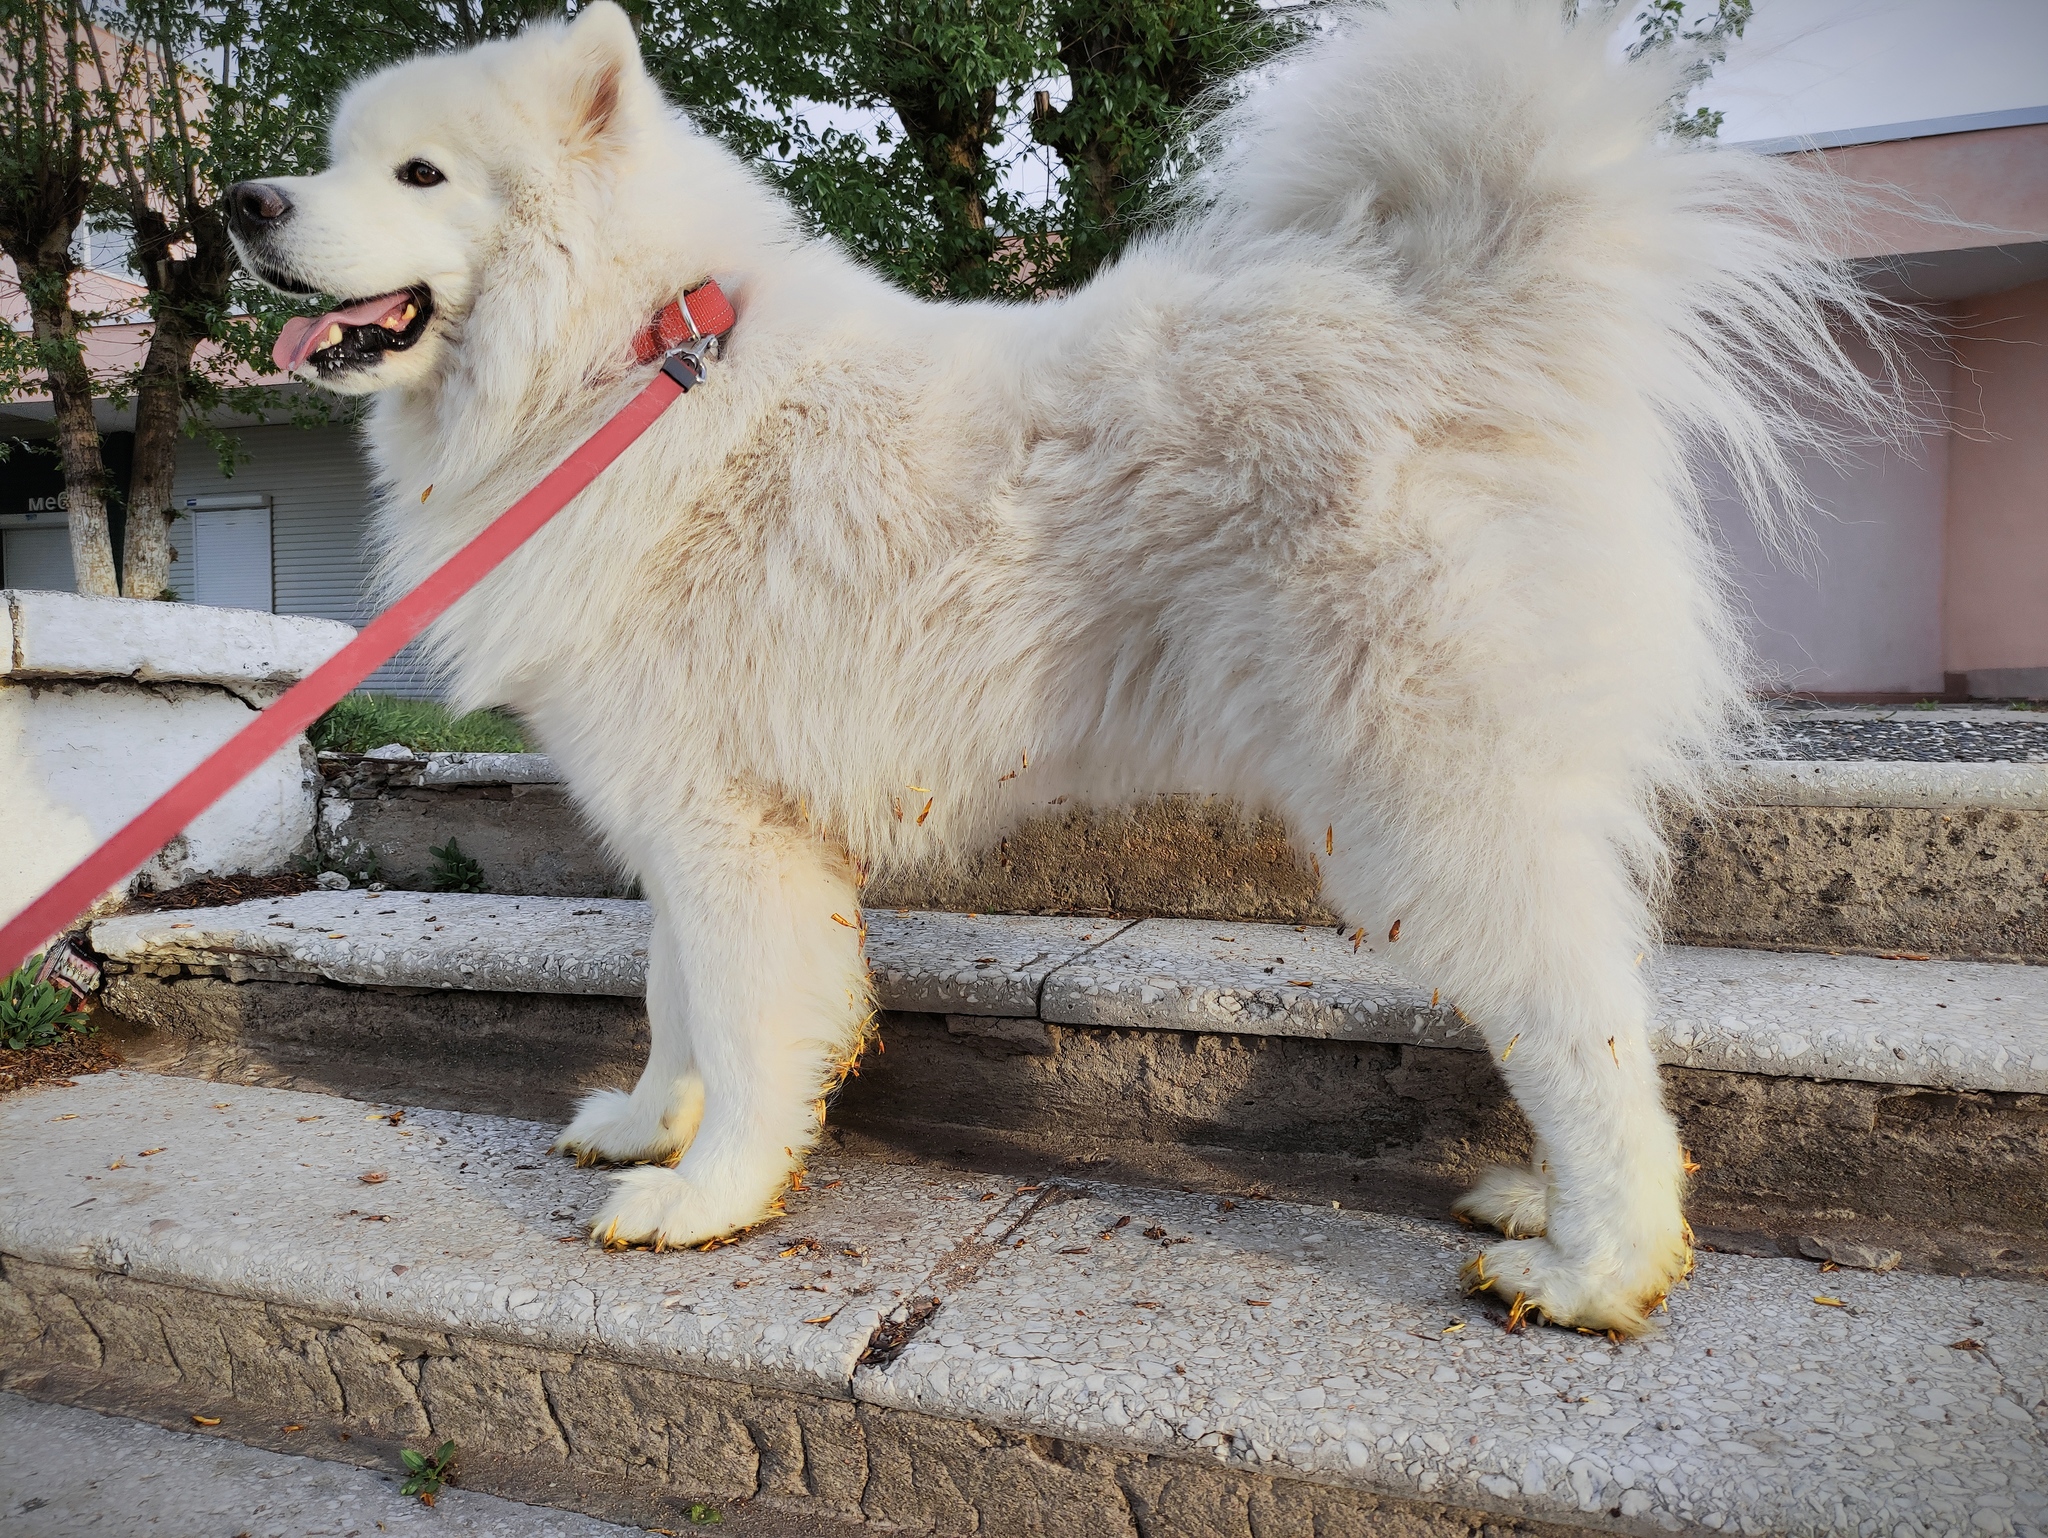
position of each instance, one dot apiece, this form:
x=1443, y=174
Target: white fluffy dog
x=1364, y=491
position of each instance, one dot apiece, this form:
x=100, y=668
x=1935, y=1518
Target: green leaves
x=455, y=871
x=427, y=1471
x=34, y=1014
x=1662, y=24
x=917, y=132
x=1138, y=70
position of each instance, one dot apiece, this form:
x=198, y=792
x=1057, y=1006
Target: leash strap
x=307, y=700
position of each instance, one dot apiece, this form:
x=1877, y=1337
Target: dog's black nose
x=255, y=206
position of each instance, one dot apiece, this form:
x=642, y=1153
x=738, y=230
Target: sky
x=1813, y=66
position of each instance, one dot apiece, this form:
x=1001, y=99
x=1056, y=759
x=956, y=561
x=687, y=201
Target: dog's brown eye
x=417, y=173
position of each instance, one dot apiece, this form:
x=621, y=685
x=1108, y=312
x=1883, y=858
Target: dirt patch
x=219, y=891
x=57, y=1063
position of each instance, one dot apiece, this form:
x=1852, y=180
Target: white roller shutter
x=37, y=558
x=318, y=488
x=231, y=552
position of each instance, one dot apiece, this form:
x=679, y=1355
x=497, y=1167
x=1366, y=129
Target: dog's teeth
x=405, y=319
x=333, y=336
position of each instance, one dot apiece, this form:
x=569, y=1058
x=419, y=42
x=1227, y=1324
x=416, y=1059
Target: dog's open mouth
x=355, y=335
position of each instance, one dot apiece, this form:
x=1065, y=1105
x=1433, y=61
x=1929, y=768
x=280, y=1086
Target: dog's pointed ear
x=608, y=67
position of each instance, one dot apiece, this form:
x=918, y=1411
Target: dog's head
x=432, y=164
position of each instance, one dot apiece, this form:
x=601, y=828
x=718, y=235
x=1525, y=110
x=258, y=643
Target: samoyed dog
x=1367, y=489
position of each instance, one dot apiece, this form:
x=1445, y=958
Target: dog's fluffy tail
x=1509, y=177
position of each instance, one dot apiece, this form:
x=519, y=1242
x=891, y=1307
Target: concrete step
x=1073, y=1356
x=1832, y=1098
x=1950, y=858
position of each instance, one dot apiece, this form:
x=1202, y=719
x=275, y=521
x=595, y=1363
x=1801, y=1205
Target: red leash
x=307, y=700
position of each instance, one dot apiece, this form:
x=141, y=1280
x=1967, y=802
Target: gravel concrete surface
x=1335, y=1344
x=1953, y=735
x=72, y=1473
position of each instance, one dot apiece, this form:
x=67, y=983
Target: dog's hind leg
x=1512, y=1198
x=1528, y=920
x=768, y=992
x=656, y=1121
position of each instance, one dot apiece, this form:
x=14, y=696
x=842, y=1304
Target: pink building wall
x=1992, y=183
x=1858, y=608
x=1927, y=569
x=1995, y=578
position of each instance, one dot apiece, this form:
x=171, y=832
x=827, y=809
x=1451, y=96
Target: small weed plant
x=427, y=1472
x=34, y=1014
x=361, y=722
x=455, y=871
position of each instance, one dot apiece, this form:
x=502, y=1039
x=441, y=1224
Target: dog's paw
x=613, y=1127
x=667, y=1209
x=1512, y=1198
x=1538, y=1281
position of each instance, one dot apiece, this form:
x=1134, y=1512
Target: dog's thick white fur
x=1364, y=491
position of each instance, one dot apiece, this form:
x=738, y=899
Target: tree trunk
x=85, y=491
x=159, y=401
x=78, y=437
x=952, y=141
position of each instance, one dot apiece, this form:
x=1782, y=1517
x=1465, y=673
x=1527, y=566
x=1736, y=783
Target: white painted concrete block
x=105, y=702
x=64, y=635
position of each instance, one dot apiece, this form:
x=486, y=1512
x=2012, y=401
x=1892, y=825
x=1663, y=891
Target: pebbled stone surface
x=528, y=839
x=1318, y=1366
x=1967, y=882
x=1939, y=1024
x=471, y=1224
x=1957, y=1025
x=68, y=1473
x=1267, y=979
x=1964, y=736
x=1335, y=1345
x=1873, y=854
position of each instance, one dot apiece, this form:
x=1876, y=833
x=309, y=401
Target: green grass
x=365, y=721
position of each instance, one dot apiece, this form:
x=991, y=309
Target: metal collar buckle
x=688, y=364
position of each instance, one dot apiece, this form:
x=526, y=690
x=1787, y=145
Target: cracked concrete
x=1947, y=1025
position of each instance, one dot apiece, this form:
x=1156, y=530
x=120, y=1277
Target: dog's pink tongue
x=304, y=335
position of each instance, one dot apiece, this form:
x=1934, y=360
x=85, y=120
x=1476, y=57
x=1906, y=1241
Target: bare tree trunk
x=146, y=545
x=85, y=491
x=78, y=439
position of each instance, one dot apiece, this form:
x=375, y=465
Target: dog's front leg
x=758, y=998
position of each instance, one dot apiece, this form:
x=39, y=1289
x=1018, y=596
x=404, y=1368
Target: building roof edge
x=1923, y=128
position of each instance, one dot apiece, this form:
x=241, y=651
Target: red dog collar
x=703, y=313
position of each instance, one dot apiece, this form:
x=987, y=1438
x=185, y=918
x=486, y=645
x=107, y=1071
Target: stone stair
x=1947, y=858
x=930, y=1349
x=954, y=1330
x=1846, y=1099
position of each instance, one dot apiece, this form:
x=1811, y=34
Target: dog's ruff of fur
x=1364, y=492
